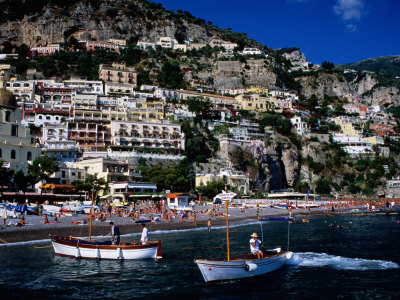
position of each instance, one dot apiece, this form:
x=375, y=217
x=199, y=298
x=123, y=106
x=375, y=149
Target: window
x=13, y=154
x=8, y=116
x=14, y=130
x=63, y=174
x=29, y=155
x=1, y=152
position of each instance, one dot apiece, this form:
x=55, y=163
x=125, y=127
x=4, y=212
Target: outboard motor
x=249, y=267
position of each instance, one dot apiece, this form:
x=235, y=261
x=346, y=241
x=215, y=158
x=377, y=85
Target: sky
x=339, y=31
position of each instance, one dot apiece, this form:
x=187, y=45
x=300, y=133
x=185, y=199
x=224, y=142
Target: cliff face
x=297, y=59
x=365, y=86
x=233, y=74
x=87, y=22
x=280, y=168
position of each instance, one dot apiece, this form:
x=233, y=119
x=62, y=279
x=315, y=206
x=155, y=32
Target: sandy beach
x=78, y=225
x=72, y=226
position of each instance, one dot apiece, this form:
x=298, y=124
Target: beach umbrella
x=4, y=216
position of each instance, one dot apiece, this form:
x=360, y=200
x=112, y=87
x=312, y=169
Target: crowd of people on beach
x=159, y=212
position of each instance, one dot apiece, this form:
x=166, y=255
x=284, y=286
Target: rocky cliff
x=103, y=19
x=365, y=86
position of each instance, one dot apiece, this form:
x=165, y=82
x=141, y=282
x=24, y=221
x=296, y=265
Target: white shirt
x=257, y=245
x=145, y=236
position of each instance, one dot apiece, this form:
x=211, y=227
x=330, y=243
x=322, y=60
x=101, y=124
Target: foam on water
x=25, y=243
x=312, y=259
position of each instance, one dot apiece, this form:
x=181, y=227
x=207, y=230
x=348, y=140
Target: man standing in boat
x=145, y=236
x=255, y=246
x=114, y=233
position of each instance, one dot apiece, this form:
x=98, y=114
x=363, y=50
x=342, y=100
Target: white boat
x=88, y=249
x=78, y=248
x=240, y=266
x=73, y=206
x=51, y=209
x=86, y=205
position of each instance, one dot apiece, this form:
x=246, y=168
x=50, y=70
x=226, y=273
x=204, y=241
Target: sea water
x=345, y=257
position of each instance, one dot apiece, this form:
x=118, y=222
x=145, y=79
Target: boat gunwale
x=242, y=259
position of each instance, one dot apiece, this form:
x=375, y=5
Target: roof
x=175, y=195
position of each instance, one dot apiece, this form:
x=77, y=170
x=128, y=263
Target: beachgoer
x=290, y=211
x=114, y=233
x=255, y=245
x=21, y=222
x=46, y=220
x=145, y=236
x=194, y=219
x=209, y=225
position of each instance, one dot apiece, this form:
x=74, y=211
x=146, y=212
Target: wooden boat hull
x=72, y=247
x=215, y=271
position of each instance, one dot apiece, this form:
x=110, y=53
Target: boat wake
x=311, y=259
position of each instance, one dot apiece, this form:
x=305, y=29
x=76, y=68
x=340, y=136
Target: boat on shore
x=240, y=266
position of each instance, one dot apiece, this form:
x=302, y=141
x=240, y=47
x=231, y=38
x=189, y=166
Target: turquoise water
x=360, y=259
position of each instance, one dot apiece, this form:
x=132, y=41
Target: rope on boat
x=4, y=241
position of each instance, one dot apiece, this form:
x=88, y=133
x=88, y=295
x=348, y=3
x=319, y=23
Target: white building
x=235, y=179
x=17, y=148
x=224, y=44
x=180, y=47
x=166, y=42
x=85, y=86
x=145, y=45
x=354, y=145
x=119, y=88
x=252, y=51
x=300, y=125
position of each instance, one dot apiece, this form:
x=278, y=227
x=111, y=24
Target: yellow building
x=84, y=101
x=374, y=140
x=5, y=74
x=253, y=102
x=349, y=126
x=146, y=109
x=257, y=90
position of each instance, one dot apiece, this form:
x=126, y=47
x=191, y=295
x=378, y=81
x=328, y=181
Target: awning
x=120, y=185
x=175, y=195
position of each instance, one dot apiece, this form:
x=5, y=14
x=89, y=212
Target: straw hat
x=254, y=235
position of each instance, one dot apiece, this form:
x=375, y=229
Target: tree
x=22, y=181
x=42, y=168
x=201, y=107
x=327, y=65
x=179, y=36
x=97, y=184
x=5, y=176
x=323, y=187
x=170, y=76
x=211, y=189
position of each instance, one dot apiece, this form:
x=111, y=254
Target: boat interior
x=267, y=254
